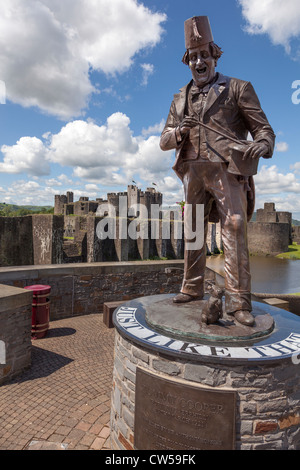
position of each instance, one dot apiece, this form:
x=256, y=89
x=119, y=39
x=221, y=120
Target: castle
x=72, y=234
x=270, y=234
x=65, y=205
x=80, y=226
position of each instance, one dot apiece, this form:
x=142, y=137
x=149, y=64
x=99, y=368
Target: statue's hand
x=256, y=150
x=187, y=124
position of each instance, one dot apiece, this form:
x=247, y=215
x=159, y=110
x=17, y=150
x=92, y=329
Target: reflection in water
x=269, y=275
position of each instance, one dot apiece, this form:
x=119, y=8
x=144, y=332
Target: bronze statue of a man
x=208, y=125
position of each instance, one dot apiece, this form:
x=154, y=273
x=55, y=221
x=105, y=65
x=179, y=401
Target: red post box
x=40, y=310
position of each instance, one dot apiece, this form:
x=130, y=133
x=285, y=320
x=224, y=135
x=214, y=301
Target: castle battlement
x=272, y=231
x=65, y=205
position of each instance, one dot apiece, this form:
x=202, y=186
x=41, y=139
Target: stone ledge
x=13, y=297
x=83, y=288
x=77, y=269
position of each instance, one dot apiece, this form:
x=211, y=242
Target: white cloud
x=282, y=189
x=279, y=19
x=288, y=202
x=156, y=129
x=296, y=167
x=270, y=181
x=92, y=187
x=148, y=70
x=28, y=155
x=30, y=186
x=171, y=188
x=53, y=182
x=65, y=179
x=108, y=155
x=151, y=162
x=29, y=193
x=47, y=48
x=282, y=147
x=86, y=145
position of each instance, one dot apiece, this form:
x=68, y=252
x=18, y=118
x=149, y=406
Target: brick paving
x=63, y=400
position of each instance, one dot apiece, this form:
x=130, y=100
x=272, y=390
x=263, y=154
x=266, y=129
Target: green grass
x=293, y=253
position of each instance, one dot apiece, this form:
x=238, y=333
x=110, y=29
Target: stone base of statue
x=180, y=384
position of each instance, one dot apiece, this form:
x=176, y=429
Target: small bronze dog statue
x=213, y=308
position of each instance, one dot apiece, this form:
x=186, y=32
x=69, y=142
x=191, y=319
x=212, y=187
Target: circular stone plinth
x=184, y=320
x=276, y=335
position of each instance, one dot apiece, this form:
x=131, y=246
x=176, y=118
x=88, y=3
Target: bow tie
x=197, y=91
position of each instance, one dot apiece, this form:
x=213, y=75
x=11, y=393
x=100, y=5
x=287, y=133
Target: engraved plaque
x=175, y=416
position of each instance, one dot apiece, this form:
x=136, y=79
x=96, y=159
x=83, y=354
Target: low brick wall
x=15, y=331
x=83, y=288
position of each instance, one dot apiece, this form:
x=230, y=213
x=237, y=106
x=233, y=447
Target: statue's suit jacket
x=233, y=108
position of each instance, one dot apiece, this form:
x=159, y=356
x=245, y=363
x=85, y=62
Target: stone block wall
x=83, y=288
x=296, y=234
x=47, y=238
x=269, y=215
x=32, y=239
x=16, y=247
x=268, y=238
x=267, y=417
x=15, y=331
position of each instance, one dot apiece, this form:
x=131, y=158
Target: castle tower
x=133, y=197
x=59, y=201
x=70, y=197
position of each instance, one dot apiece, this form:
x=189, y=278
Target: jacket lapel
x=216, y=90
x=180, y=101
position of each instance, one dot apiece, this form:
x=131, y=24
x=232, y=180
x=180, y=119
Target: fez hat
x=197, y=32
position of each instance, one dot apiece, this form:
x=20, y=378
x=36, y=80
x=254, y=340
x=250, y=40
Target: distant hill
x=13, y=210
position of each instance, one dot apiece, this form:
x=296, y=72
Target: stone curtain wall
x=267, y=238
x=47, y=234
x=266, y=417
x=83, y=288
x=15, y=331
x=271, y=234
x=32, y=239
x=16, y=245
x=296, y=234
x=39, y=239
x=56, y=239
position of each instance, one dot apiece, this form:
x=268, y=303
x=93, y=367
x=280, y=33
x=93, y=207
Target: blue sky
x=88, y=86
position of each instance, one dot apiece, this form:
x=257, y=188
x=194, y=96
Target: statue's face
x=202, y=65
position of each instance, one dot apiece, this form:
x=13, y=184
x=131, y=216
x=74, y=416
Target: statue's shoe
x=244, y=317
x=183, y=298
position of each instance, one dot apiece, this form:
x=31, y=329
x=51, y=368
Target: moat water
x=269, y=275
